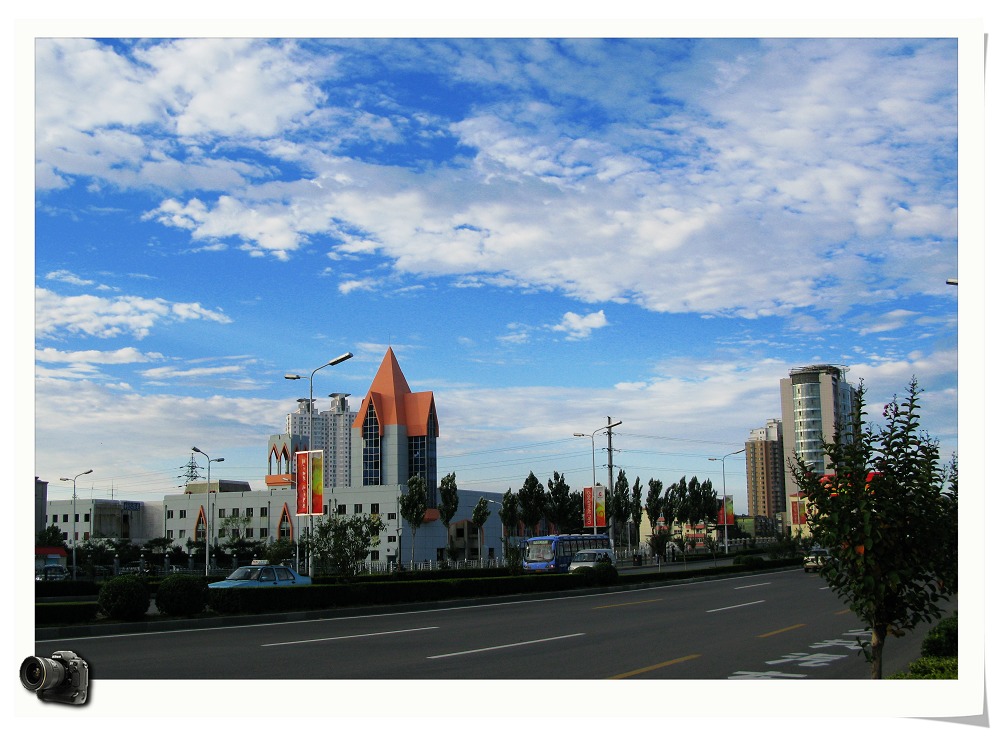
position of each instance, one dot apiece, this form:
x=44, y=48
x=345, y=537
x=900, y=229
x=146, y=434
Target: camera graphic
x=61, y=678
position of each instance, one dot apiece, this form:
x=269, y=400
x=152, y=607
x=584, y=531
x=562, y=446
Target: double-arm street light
x=296, y=377
x=725, y=516
x=208, y=497
x=85, y=472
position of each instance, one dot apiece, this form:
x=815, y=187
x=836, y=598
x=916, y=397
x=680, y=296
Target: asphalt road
x=782, y=625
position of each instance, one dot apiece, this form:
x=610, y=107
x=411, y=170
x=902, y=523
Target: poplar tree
x=412, y=507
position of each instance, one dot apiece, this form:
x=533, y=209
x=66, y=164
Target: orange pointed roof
x=394, y=403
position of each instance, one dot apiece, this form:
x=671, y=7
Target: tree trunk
x=878, y=642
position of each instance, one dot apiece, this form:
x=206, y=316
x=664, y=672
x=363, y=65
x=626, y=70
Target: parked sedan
x=260, y=576
x=52, y=572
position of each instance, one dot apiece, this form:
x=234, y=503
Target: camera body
x=61, y=678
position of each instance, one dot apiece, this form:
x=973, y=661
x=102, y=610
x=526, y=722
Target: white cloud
x=104, y=357
x=579, y=327
x=100, y=317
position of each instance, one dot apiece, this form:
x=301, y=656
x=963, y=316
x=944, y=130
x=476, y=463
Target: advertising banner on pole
x=588, y=507
x=302, y=486
x=316, y=482
x=600, y=514
x=730, y=517
x=309, y=483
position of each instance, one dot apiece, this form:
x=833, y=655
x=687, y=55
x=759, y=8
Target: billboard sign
x=588, y=507
x=309, y=483
x=600, y=512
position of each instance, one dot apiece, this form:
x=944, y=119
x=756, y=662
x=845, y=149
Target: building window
x=371, y=456
x=170, y=534
x=341, y=509
x=183, y=514
x=65, y=518
x=249, y=513
x=170, y=513
x=263, y=532
x=374, y=508
x=222, y=513
x=263, y=512
x=374, y=555
x=248, y=533
x=392, y=515
x=358, y=508
x=86, y=517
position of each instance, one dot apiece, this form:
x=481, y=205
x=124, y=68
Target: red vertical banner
x=600, y=514
x=302, y=482
x=316, y=482
x=588, y=507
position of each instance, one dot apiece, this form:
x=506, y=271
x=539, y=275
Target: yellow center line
x=780, y=631
x=633, y=603
x=654, y=667
x=841, y=613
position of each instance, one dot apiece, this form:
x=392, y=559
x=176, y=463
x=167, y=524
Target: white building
x=331, y=433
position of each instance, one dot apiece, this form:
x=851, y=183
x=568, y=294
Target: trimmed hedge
x=181, y=595
x=930, y=668
x=942, y=640
x=48, y=614
x=124, y=597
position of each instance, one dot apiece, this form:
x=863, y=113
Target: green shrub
x=587, y=574
x=942, y=640
x=750, y=562
x=75, y=612
x=605, y=573
x=124, y=597
x=182, y=595
x=930, y=668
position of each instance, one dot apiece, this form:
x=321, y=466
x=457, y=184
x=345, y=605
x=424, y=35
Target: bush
x=942, y=640
x=930, y=668
x=182, y=595
x=751, y=562
x=588, y=574
x=124, y=597
x=605, y=573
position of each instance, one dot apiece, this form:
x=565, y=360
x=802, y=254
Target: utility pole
x=610, y=490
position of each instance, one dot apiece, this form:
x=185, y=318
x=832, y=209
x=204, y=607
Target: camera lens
x=41, y=673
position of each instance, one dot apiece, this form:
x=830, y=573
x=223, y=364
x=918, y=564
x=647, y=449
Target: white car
x=591, y=558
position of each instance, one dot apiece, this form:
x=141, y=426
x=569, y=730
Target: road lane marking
x=841, y=613
x=351, y=636
x=633, y=603
x=739, y=605
x=780, y=631
x=654, y=667
x=755, y=585
x=502, y=646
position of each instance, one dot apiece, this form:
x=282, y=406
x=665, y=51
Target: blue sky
x=548, y=232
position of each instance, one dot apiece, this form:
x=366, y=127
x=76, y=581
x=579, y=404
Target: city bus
x=553, y=553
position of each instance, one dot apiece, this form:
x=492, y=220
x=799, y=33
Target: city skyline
x=547, y=232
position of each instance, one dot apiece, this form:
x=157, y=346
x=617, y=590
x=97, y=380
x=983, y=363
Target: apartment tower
x=765, y=470
x=816, y=403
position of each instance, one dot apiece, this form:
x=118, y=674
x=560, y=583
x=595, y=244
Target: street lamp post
x=85, y=472
x=208, y=496
x=593, y=463
x=296, y=377
x=725, y=516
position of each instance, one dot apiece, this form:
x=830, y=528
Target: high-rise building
x=816, y=403
x=765, y=470
x=395, y=433
x=331, y=433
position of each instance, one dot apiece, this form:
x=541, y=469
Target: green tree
x=654, y=502
x=278, y=551
x=531, y=499
x=479, y=516
x=342, y=544
x=51, y=536
x=618, y=507
x=510, y=515
x=635, y=509
x=448, y=505
x=412, y=507
x=880, y=514
x=575, y=523
x=560, y=506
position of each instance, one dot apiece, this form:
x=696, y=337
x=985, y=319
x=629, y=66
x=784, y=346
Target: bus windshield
x=539, y=551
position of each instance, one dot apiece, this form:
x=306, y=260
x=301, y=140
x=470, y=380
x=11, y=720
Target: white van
x=590, y=558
